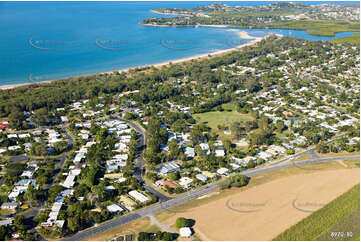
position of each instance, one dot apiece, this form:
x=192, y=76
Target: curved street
x=139, y=170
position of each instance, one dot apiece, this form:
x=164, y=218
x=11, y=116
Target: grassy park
x=225, y=118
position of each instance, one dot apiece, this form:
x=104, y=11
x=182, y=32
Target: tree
x=74, y=223
x=251, y=164
x=167, y=236
x=16, y=118
x=38, y=149
x=174, y=176
x=227, y=144
x=60, y=147
x=182, y=222
x=236, y=130
x=41, y=117
x=19, y=222
x=144, y=236
x=4, y=231
x=322, y=147
x=290, y=152
x=174, y=149
x=280, y=126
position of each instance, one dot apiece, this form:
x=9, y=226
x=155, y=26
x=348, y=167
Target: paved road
x=147, y=211
x=35, y=210
x=310, y=151
x=160, y=225
x=139, y=169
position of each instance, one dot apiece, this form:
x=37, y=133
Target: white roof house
x=23, y=136
x=234, y=166
x=69, y=181
x=56, y=206
x=14, y=147
x=75, y=172
x=64, y=119
x=264, y=155
x=6, y=222
x=189, y=152
x=11, y=205
x=12, y=136
x=139, y=196
x=185, y=181
x=167, y=168
x=205, y=147
x=123, y=157
x=220, y=153
x=185, y=232
x=120, y=146
x=201, y=177
x=114, y=208
x=222, y=171
x=13, y=195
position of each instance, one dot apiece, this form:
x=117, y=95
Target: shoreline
x=241, y=34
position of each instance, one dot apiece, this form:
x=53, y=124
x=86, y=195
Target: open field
x=340, y=215
x=348, y=224
x=337, y=154
x=302, y=157
x=274, y=208
x=213, y=119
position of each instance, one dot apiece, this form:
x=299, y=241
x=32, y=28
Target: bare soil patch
x=264, y=211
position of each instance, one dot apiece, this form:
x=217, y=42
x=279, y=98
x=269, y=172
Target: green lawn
x=226, y=118
x=340, y=215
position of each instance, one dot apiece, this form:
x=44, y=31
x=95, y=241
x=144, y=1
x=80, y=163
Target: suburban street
x=35, y=210
x=147, y=211
x=140, y=162
x=310, y=151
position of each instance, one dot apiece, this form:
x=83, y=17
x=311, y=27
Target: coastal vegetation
x=316, y=20
x=353, y=39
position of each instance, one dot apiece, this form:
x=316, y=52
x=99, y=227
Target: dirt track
x=264, y=211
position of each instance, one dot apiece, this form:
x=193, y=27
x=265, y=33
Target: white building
x=185, y=232
x=201, y=177
x=114, y=208
x=139, y=196
x=222, y=171
x=185, y=182
x=167, y=168
x=11, y=205
x=69, y=181
x=220, y=153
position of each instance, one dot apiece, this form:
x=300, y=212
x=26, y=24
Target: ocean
x=50, y=40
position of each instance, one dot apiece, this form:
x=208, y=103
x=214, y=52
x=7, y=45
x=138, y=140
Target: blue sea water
x=51, y=40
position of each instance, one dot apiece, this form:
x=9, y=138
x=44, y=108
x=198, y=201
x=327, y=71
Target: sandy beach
x=241, y=34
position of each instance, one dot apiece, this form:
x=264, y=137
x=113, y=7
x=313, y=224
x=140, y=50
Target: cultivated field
x=264, y=211
x=340, y=215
